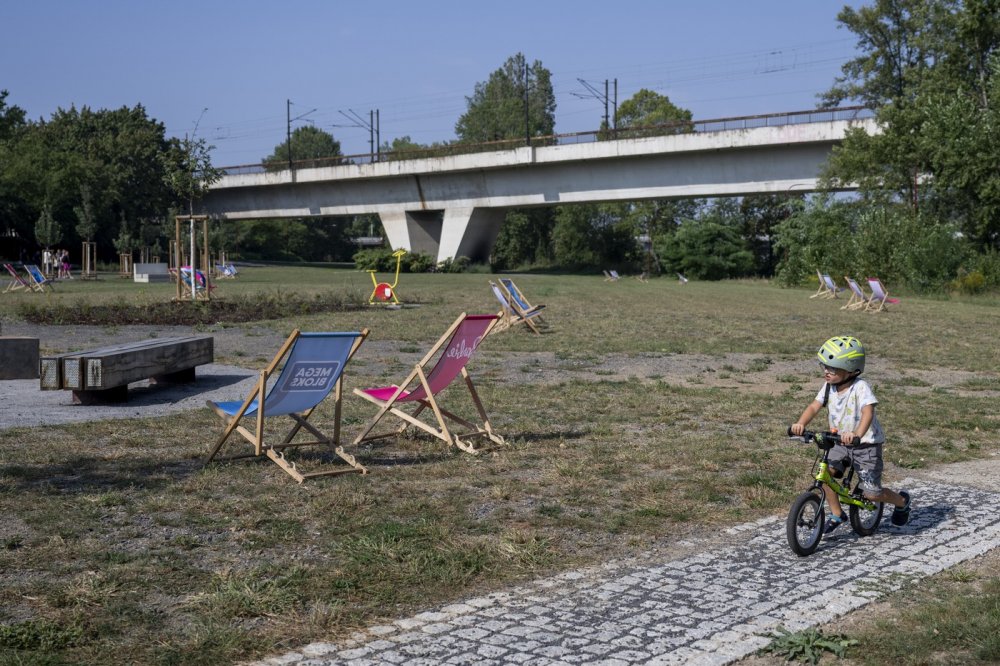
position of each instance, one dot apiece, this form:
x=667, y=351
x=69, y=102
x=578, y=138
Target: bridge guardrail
x=699, y=126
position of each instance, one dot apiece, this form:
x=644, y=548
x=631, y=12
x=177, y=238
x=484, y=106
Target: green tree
x=85, y=215
x=652, y=114
x=15, y=221
x=116, y=154
x=496, y=111
x=310, y=147
x=929, y=69
x=525, y=240
x=760, y=214
x=48, y=231
x=708, y=247
x=188, y=170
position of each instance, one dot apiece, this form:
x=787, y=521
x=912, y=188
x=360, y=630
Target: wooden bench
x=101, y=376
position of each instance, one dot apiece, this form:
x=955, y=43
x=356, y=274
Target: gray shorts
x=866, y=461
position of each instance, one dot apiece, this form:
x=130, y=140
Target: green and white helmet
x=844, y=352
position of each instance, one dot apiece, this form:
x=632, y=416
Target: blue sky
x=229, y=67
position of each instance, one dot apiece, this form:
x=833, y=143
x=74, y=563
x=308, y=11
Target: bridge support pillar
x=453, y=232
x=469, y=232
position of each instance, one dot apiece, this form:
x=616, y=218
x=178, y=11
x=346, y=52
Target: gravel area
x=23, y=404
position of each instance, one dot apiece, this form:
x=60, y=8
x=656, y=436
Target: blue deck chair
x=521, y=306
x=508, y=317
x=313, y=369
x=518, y=301
x=36, y=278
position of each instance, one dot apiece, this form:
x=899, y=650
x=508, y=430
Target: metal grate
x=94, y=373
x=71, y=373
x=48, y=372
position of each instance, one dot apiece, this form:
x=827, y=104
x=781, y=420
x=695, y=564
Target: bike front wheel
x=865, y=521
x=804, y=527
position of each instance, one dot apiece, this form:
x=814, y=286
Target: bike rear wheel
x=865, y=522
x=804, y=526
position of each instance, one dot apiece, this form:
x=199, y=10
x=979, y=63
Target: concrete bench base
x=18, y=358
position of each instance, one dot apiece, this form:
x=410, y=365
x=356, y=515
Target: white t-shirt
x=845, y=410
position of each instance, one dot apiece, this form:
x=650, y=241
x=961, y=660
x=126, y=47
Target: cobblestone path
x=710, y=608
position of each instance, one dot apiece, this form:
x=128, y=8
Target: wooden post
x=125, y=264
x=88, y=267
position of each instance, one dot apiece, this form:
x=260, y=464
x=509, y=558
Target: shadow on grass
x=86, y=474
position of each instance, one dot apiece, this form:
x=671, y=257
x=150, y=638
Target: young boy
x=851, y=406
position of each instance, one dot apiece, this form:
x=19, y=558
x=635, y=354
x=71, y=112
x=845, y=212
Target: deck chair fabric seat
x=313, y=368
x=421, y=388
x=36, y=278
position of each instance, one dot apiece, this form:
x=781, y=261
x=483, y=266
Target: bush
x=255, y=308
x=455, y=265
x=382, y=260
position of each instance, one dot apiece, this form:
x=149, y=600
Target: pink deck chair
x=879, y=298
x=16, y=281
x=421, y=388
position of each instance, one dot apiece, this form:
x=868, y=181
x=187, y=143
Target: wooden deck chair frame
x=521, y=306
x=424, y=395
x=16, y=282
x=36, y=279
x=252, y=408
x=879, y=298
x=858, y=300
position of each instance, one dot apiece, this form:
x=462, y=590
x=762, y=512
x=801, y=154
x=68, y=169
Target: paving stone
x=712, y=607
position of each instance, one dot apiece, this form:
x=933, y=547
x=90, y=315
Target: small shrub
x=970, y=283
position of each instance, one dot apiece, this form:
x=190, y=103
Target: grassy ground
x=119, y=546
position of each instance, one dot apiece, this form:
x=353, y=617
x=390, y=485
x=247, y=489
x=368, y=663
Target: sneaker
x=901, y=515
x=832, y=523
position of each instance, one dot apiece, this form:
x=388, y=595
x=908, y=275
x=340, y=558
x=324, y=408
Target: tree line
x=927, y=210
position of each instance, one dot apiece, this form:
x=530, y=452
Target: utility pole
x=288, y=128
x=605, y=99
x=374, y=131
x=527, y=115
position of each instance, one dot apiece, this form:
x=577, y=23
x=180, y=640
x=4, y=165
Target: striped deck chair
x=508, y=317
x=879, y=299
x=827, y=287
x=858, y=300
x=520, y=304
x=313, y=369
x=421, y=388
x=16, y=281
x=36, y=279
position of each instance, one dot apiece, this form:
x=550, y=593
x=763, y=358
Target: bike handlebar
x=825, y=438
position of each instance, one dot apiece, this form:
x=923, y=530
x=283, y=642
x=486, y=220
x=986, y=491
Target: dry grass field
x=645, y=413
